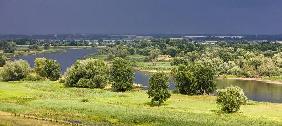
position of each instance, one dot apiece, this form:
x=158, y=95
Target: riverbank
x=270, y=80
x=52, y=100
x=18, y=53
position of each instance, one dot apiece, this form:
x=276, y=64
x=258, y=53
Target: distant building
x=194, y=36
x=176, y=38
x=280, y=42
x=210, y=42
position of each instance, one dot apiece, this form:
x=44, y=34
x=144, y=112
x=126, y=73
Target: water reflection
x=254, y=90
x=65, y=58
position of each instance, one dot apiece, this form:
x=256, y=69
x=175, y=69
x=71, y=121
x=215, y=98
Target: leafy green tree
x=122, y=75
x=194, y=79
x=16, y=70
x=256, y=61
x=179, y=60
x=193, y=56
x=33, y=47
x=46, y=46
x=184, y=78
x=154, y=53
x=120, y=51
x=277, y=58
x=230, y=99
x=8, y=47
x=172, y=51
x=204, y=79
x=268, y=68
x=48, y=68
x=88, y=73
x=2, y=60
x=158, y=88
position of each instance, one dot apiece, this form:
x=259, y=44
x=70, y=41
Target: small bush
x=122, y=75
x=14, y=71
x=89, y=73
x=84, y=100
x=33, y=77
x=48, y=68
x=62, y=80
x=230, y=99
x=158, y=88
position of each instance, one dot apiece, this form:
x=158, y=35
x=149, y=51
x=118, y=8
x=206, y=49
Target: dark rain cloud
x=141, y=16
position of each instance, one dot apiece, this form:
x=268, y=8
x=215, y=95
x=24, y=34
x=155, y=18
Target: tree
x=230, y=99
x=16, y=70
x=172, y=51
x=122, y=75
x=204, y=79
x=88, y=73
x=179, y=60
x=46, y=46
x=194, y=79
x=33, y=47
x=48, y=68
x=277, y=58
x=154, y=53
x=2, y=60
x=8, y=47
x=158, y=88
x=120, y=51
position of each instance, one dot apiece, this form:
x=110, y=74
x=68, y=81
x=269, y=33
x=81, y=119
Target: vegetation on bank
x=96, y=106
x=241, y=58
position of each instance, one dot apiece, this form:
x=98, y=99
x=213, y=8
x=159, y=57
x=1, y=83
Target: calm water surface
x=255, y=90
x=65, y=58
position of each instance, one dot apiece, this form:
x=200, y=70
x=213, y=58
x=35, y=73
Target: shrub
x=47, y=68
x=33, y=77
x=158, y=88
x=230, y=99
x=14, y=71
x=194, y=79
x=179, y=60
x=8, y=47
x=2, y=60
x=88, y=73
x=62, y=80
x=122, y=75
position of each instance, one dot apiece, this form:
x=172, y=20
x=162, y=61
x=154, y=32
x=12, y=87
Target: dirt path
x=7, y=119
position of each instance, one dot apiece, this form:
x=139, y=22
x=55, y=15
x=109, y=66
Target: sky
x=141, y=16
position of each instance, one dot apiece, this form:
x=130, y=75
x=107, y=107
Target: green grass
x=154, y=66
x=96, y=106
x=140, y=63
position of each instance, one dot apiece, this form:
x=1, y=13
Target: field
x=142, y=65
x=52, y=101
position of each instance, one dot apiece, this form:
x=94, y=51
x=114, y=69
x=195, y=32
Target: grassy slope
x=52, y=100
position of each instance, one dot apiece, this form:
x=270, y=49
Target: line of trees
x=21, y=70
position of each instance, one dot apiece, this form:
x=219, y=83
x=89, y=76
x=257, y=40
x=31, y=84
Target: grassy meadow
x=52, y=101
